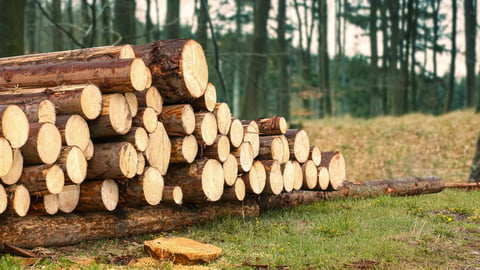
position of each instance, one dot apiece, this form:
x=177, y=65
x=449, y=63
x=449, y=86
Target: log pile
x=126, y=127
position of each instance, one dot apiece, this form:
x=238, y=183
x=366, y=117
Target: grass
x=435, y=231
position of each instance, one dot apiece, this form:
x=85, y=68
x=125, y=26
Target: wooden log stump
x=74, y=131
x=251, y=135
x=178, y=119
x=89, y=151
x=274, y=177
x=184, y=149
x=255, y=180
x=230, y=169
x=236, y=192
x=159, y=149
x=113, y=160
x=323, y=178
x=219, y=150
x=179, y=68
x=43, y=145
x=73, y=163
x=132, y=103
x=42, y=111
x=288, y=172
x=236, y=133
x=224, y=117
x=41, y=178
x=18, y=200
x=335, y=164
x=68, y=198
x=299, y=144
x=244, y=156
x=14, y=125
x=115, y=118
x=44, y=205
x=3, y=199
x=207, y=101
x=315, y=155
x=98, y=196
x=172, y=194
x=275, y=125
x=88, y=54
x=146, y=189
x=310, y=175
x=150, y=98
x=6, y=162
x=271, y=148
x=146, y=118
x=205, y=128
x=203, y=180
x=124, y=75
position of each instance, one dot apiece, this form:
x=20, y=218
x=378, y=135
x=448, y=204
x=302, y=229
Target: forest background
x=295, y=58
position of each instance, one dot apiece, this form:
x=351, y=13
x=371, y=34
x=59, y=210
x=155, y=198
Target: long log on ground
x=43, y=145
x=68, y=229
x=41, y=178
x=124, y=75
x=178, y=119
x=224, y=117
x=206, y=129
x=335, y=163
x=146, y=189
x=230, y=170
x=207, y=101
x=146, y=118
x=236, y=133
x=299, y=144
x=115, y=117
x=16, y=168
x=98, y=196
x=466, y=186
x=256, y=179
x=74, y=130
x=179, y=68
x=73, y=163
x=172, y=194
x=113, y=160
x=88, y=54
x=68, y=198
x=368, y=189
x=159, y=149
x=150, y=98
x=6, y=161
x=219, y=150
x=275, y=125
x=14, y=125
x=41, y=111
x=184, y=149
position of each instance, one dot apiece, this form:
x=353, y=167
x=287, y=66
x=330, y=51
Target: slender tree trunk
x=375, y=97
x=406, y=56
x=156, y=33
x=86, y=22
x=106, y=17
x=436, y=9
x=413, y=74
x=238, y=67
x=283, y=89
x=396, y=95
x=470, y=11
x=148, y=23
x=453, y=54
x=172, y=23
x=31, y=26
x=124, y=21
x=385, y=60
x=57, y=37
x=11, y=27
x=202, y=37
x=323, y=57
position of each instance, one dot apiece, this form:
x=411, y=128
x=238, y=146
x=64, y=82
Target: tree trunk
x=206, y=129
x=275, y=125
x=12, y=27
x=376, y=96
x=335, y=164
x=73, y=163
x=271, y=148
x=470, y=12
x=283, y=94
x=31, y=26
x=207, y=101
x=475, y=167
x=244, y=156
x=124, y=21
x=172, y=194
x=146, y=118
x=150, y=98
x=323, y=58
x=172, y=22
x=202, y=15
x=148, y=23
x=219, y=150
x=184, y=149
x=57, y=35
x=106, y=18
x=235, y=193
x=44, y=205
x=18, y=200
x=40, y=111
x=453, y=53
x=43, y=178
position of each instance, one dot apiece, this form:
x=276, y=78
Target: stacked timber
x=99, y=129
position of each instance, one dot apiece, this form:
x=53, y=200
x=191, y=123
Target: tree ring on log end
x=49, y=143
x=110, y=194
x=77, y=132
x=126, y=52
x=128, y=160
x=276, y=180
x=21, y=201
x=91, y=102
x=15, y=126
x=236, y=133
x=240, y=189
x=153, y=186
x=224, y=117
x=119, y=114
x=301, y=146
x=3, y=199
x=195, y=68
x=209, y=129
x=139, y=74
x=288, y=173
x=55, y=179
x=323, y=178
x=189, y=148
x=257, y=184
x=188, y=119
x=246, y=156
x=6, y=157
x=298, y=180
x=310, y=174
x=230, y=170
x=76, y=165
x=336, y=170
x=213, y=180
x=141, y=139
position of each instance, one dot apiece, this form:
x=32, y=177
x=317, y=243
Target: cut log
x=286, y=150
x=205, y=127
x=178, y=119
x=146, y=189
x=335, y=164
x=230, y=169
x=41, y=178
x=3, y=199
x=244, y=156
x=68, y=198
x=88, y=54
x=179, y=68
x=251, y=135
x=255, y=180
x=299, y=144
x=310, y=175
x=184, y=149
x=89, y=151
x=137, y=136
x=115, y=118
x=219, y=150
x=150, y=98
x=132, y=102
x=74, y=131
x=288, y=173
x=44, y=205
x=73, y=163
x=159, y=149
x=43, y=145
x=275, y=125
x=315, y=155
x=298, y=179
x=323, y=178
x=146, y=118
x=203, y=180
x=124, y=75
x=274, y=178
x=141, y=163
x=6, y=161
x=236, y=133
x=224, y=117
x=98, y=196
x=18, y=200
x=172, y=194
x=271, y=148
x=42, y=111
x=35, y=231
x=207, y=101
x=16, y=168
x=113, y=160
x=465, y=186
x=235, y=193
x=14, y=125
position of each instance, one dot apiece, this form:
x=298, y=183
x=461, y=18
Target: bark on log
x=219, y=150
x=315, y=155
x=14, y=125
x=34, y=231
x=299, y=144
x=43, y=145
x=6, y=161
x=244, y=156
x=236, y=133
x=288, y=175
x=323, y=178
x=179, y=68
x=275, y=125
x=124, y=75
x=16, y=168
x=42, y=111
x=113, y=160
x=256, y=179
x=74, y=131
x=207, y=101
x=203, y=180
x=146, y=189
x=146, y=118
x=18, y=200
x=206, y=129
x=41, y=178
x=159, y=149
x=236, y=192
x=98, y=196
x=230, y=169
x=271, y=148
x=115, y=118
x=172, y=194
x=310, y=175
x=73, y=163
x=88, y=54
x=178, y=119
x=150, y=98
x=224, y=117
x=251, y=135
x=335, y=164
x=132, y=103
x=44, y=205
x=68, y=198
x=184, y=149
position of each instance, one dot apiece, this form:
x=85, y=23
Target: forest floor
x=435, y=231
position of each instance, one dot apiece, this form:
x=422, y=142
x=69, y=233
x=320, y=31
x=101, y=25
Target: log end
x=282, y=124
x=236, y=133
x=76, y=165
x=141, y=163
x=310, y=175
x=298, y=180
x=323, y=178
x=259, y=180
x=153, y=186
x=153, y=99
x=46, y=112
x=132, y=102
x=251, y=135
x=128, y=159
x=210, y=97
x=6, y=160
x=223, y=147
x=276, y=149
x=213, y=180
x=159, y=149
x=55, y=179
x=21, y=200
x=337, y=172
x=315, y=155
x=195, y=68
x=15, y=171
x=110, y=194
x=246, y=157
x=288, y=173
x=139, y=75
x=126, y=52
x=68, y=199
x=240, y=189
x=224, y=117
x=301, y=146
x=189, y=148
x=50, y=203
x=149, y=119
x=3, y=199
x=141, y=139
x=119, y=114
x=77, y=132
x=89, y=150
x=209, y=129
x=230, y=168
x=49, y=143
x=276, y=179
x=15, y=126
x=188, y=119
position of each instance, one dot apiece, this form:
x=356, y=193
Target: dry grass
x=391, y=147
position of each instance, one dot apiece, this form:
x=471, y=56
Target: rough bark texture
x=42, y=178
x=113, y=160
x=98, y=196
x=275, y=125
